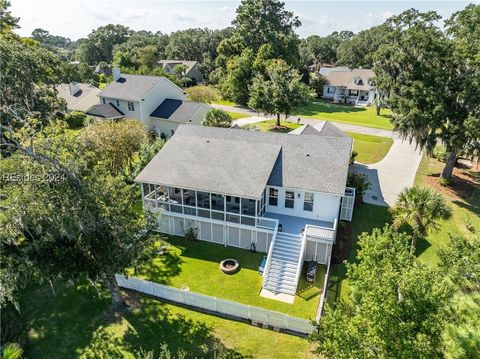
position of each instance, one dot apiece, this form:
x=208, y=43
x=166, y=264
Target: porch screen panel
x=310, y=251
x=262, y=239
x=205, y=229
x=217, y=231
x=178, y=226
x=245, y=238
x=233, y=236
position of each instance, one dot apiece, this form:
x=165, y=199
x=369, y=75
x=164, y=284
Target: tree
x=181, y=70
x=7, y=21
x=115, y=142
x=421, y=208
x=460, y=258
x=202, y=93
x=431, y=81
x=258, y=23
x=217, y=118
x=358, y=51
x=280, y=92
x=395, y=307
x=147, y=151
x=100, y=43
x=317, y=50
x=147, y=56
x=85, y=224
x=461, y=336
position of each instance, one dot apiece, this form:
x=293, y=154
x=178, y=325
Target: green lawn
x=75, y=323
x=237, y=115
x=226, y=103
x=270, y=126
x=365, y=116
x=194, y=264
x=461, y=210
x=370, y=148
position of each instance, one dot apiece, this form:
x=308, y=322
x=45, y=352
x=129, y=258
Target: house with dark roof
x=281, y=194
x=153, y=100
x=192, y=71
x=343, y=85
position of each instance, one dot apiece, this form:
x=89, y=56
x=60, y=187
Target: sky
x=77, y=18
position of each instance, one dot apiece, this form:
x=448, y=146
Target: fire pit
x=229, y=266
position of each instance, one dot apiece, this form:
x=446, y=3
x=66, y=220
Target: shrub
x=75, y=119
x=217, y=118
x=204, y=94
x=359, y=181
x=353, y=156
x=440, y=154
x=191, y=234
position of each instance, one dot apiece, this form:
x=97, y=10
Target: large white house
x=343, y=85
x=281, y=194
x=154, y=100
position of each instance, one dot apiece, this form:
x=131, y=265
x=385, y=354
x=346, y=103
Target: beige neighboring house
x=192, y=68
x=344, y=85
x=79, y=96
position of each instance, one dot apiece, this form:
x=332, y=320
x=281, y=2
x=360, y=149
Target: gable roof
x=133, y=87
x=82, y=100
x=176, y=110
x=346, y=79
x=241, y=162
x=107, y=111
x=172, y=63
x=322, y=128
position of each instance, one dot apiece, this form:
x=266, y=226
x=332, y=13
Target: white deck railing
x=269, y=255
x=324, y=234
x=301, y=259
x=217, y=305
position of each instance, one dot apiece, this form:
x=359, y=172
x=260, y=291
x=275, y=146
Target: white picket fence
x=222, y=306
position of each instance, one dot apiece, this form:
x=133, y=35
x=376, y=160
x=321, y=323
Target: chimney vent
x=116, y=74
x=73, y=88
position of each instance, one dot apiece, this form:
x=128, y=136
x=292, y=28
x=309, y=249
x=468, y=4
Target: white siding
x=164, y=89
x=326, y=93
x=123, y=106
x=325, y=206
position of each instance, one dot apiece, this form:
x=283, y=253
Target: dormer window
x=370, y=82
x=357, y=80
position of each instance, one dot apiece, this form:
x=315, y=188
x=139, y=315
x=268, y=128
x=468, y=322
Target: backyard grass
x=226, y=103
x=370, y=148
x=237, y=115
x=75, y=323
x=194, y=264
x=364, y=116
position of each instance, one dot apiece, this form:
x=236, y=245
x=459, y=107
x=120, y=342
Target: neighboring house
x=343, y=85
x=79, y=96
x=192, y=71
x=153, y=100
x=281, y=194
x=324, y=70
x=107, y=71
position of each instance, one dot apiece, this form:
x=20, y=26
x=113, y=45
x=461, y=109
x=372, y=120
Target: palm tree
x=421, y=208
x=217, y=118
x=12, y=351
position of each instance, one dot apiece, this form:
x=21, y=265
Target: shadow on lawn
x=76, y=322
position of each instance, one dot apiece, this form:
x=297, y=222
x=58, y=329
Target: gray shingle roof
x=346, y=79
x=322, y=128
x=108, y=111
x=241, y=162
x=173, y=63
x=132, y=87
x=82, y=100
x=176, y=110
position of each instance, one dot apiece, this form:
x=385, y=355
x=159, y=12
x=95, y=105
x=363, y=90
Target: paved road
x=257, y=117
x=388, y=177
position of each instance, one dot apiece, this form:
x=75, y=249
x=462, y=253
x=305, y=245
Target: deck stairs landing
x=284, y=264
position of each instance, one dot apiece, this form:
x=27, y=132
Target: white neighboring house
x=192, y=71
x=79, y=96
x=153, y=100
x=276, y=193
x=343, y=85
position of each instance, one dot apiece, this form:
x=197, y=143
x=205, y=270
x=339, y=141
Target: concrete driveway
x=391, y=175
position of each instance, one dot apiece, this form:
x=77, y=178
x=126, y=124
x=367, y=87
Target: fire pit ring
x=229, y=266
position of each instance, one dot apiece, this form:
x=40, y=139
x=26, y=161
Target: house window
x=203, y=200
x=248, y=206
x=233, y=204
x=289, y=199
x=118, y=103
x=131, y=106
x=217, y=202
x=308, y=201
x=330, y=89
x=353, y=92
x=273, y=197
x=103, y=101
